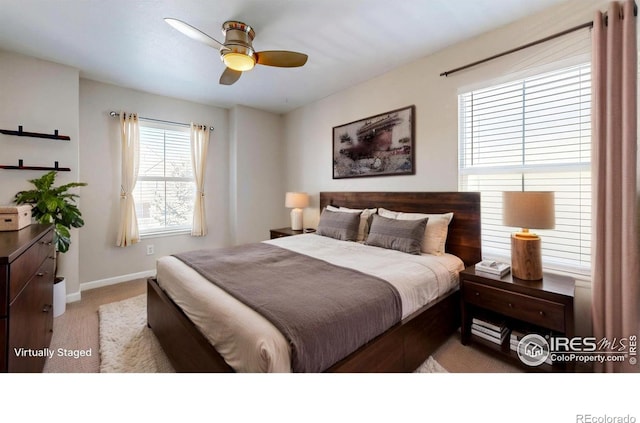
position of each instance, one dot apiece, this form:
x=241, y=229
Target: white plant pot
x=59, y=297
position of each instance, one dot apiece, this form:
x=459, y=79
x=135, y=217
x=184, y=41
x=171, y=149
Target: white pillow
x=363, y=228
x=435, y=234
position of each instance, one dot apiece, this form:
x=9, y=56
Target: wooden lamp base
x=526, y=257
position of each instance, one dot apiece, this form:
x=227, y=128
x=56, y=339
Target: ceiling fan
x=237, y=52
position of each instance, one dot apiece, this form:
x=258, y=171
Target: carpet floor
x=78, y=327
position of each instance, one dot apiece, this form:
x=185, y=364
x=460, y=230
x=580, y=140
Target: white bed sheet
x=250, y=343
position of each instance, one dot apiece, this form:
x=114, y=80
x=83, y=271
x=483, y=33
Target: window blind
x=165, y=188
x=533, y=134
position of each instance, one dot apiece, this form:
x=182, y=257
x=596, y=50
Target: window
x=165, y=188
x=532, y=135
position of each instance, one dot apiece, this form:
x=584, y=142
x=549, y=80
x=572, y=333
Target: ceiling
x=127, y=42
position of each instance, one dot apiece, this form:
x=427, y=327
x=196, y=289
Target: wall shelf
x=21, y=133
x=21, y=166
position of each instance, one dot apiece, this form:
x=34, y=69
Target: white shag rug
x=127, y=345
x=431, y=366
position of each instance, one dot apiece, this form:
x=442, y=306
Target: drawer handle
x=46, y=243
x=40, y=274
x=510, y=305
x=45, y=309
x=477, y=294
x=51, y=258
x=541, y=313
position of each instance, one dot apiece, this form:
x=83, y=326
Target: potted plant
x=54, y=205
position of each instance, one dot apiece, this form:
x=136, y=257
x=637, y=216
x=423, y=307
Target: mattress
x=250, y=343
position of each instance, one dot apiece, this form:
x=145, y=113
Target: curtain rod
x=114, y=114
x=513, y=50
x=531, y=44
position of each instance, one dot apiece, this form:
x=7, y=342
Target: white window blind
x=532, y=135
x=165, y=188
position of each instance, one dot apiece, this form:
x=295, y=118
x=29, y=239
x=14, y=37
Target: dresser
x=26, y=297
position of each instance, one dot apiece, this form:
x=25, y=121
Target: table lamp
x=527, y=210
x=296, y=201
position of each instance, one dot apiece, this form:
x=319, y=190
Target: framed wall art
x=380, y=145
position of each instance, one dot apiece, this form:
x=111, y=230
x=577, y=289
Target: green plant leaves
x=62, y=238
x=54, y=205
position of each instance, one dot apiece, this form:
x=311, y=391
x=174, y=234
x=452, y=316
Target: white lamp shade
x=531, y=209
x=296, y=200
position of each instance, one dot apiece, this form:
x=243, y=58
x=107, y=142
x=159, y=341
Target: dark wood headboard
x=463, y=239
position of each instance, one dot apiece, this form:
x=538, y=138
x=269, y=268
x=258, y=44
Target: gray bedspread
x=324, y=311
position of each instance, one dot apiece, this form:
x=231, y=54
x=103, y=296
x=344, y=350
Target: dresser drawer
x=3, y=344
x=45, y=247
x=42, y=273
x=30, y=263
x=541, y=312
x=4, y=290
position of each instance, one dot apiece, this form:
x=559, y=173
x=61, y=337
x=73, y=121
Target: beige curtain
x=130, y=139
x=615, y=228
x=199, y=148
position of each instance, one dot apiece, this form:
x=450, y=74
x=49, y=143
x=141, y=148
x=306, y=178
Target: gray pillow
x=339, y=225
x=394, y=234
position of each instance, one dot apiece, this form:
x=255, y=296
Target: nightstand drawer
x=282, y=232
x=541, y=312
x=275, y=235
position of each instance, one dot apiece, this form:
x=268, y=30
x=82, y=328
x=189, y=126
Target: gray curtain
x=616, y=275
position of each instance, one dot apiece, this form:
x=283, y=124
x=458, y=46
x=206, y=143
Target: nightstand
x=544, y=306
x=279, y=233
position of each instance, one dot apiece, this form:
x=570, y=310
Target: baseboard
x=77, y=296
x=112, y=281
x=72, y=298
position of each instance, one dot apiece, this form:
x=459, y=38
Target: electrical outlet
x=150, y=250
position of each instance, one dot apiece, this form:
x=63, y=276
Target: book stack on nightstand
x=515, y=338
x=493, y=268
x=494, y=331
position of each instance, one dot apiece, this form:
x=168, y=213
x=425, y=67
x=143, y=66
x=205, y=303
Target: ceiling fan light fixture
x=237, y=52
x=238, y=61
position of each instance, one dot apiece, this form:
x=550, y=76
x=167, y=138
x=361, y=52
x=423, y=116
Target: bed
x=401, y=348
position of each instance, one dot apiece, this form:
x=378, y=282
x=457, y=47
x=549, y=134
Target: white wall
x=308, y=130
x=100, y=260
x=42, y=97
x=256, y=174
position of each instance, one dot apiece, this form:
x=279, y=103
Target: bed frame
x=400, y=349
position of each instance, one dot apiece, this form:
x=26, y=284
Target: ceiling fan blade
x=281, y=58
x=229, y=76
x=194, y=33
